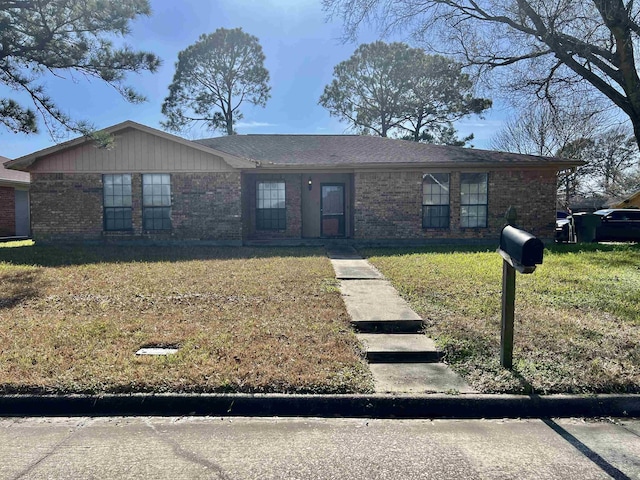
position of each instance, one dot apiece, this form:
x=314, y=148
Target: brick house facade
x=388, y=204
x=270, y=188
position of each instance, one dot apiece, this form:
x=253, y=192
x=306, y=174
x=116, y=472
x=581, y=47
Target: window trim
x=260, y=225
x=149, y=208
x=448, y=204
x=105, y=208
x=485, y=205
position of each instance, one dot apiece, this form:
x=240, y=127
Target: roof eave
x=413, y=165
x=14, y=183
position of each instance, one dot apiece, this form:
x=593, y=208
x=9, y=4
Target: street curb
x=463, y=406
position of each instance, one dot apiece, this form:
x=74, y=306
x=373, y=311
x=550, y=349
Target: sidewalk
x=401, y=358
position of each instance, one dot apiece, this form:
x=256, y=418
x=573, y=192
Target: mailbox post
x=520, y=251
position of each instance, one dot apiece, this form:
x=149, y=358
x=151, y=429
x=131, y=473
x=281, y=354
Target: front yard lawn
x=577, y=323
x=245, y=320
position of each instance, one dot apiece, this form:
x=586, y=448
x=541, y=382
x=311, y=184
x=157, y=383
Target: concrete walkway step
x=400, y=359
x=417, y=378
x=355, y=269
x=343, y=253
x=399, y=348
x=387, y=326
x=375, y=300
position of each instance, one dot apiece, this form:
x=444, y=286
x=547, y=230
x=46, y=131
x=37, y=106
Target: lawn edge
x=463, y=406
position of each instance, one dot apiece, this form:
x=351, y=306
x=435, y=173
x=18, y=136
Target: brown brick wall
x=69, y=207
x=388, y=205
x=206, y=206
x=293, y=184
x=7, y=212
x=66, y=207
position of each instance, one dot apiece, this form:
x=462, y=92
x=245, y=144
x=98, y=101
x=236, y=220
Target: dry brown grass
x=246, y=320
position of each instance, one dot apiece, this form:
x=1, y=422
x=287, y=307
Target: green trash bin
x=586, y=225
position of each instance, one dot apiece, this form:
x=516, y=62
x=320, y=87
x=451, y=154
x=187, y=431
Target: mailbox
x=521, y=249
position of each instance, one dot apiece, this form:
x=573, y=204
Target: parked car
x=618, y=224
x=564, y=230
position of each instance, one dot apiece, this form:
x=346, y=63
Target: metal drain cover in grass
x=157, y=350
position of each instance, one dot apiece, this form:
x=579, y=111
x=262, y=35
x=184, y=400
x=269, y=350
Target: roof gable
x=27, y=162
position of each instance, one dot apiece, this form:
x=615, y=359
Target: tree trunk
x=636, y=130
x=229, y=121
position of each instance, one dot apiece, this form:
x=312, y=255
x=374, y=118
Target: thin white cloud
x=255, y=125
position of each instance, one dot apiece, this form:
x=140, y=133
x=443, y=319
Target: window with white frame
x=473, y=200
x=117, y=201
x=435, y=200
x=156, y=201
x=271, y=212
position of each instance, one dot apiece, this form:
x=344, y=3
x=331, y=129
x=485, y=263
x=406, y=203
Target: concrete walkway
x=402, y=359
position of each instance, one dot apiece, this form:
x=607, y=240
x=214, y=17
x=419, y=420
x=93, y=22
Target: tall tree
x=63, y=38
x=371, y=89
x=391, y=88
x=213, y=78
x=558, y=44
x=613, y=155
x=440, y=93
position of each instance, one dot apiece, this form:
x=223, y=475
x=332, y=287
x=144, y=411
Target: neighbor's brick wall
x=69, y=207
x=388, y=205
x=293, y=199
x=7, y=212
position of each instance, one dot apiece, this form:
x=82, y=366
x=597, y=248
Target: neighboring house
x=253, y=188
x=632, y=201
x=14, y=202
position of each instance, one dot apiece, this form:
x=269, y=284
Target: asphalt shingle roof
x=334, y=150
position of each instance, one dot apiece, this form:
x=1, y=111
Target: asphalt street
x=313, y=448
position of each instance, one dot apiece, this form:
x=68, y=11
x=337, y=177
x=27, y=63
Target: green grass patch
x=245, y=320
x=577, y=317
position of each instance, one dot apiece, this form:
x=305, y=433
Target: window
x=473, y=200
x=117, y=201
x=156, y=201
x=271, y=213
x=435, y=200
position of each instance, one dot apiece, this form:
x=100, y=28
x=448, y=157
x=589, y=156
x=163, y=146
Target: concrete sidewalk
x=401, y=358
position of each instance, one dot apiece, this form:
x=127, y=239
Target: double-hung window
x=156, y=201
x=473, y=200
x=435, y=200
x=117, y=201
x=271, y=212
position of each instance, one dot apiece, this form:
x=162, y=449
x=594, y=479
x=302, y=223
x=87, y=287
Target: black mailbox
x=523, y=248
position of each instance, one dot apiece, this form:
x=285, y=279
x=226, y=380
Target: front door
x=332, y=222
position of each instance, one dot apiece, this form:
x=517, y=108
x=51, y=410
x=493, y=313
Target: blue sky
x=301, y=49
